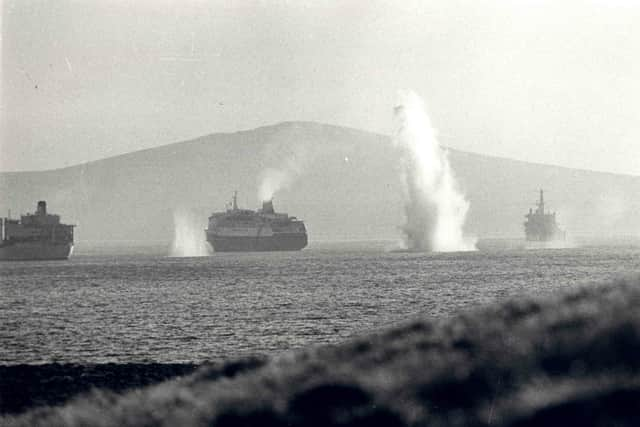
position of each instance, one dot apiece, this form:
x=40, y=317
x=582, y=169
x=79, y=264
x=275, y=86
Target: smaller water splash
x=188, y=235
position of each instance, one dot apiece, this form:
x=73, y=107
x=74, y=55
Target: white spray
x=188, y=235
x=435, y=209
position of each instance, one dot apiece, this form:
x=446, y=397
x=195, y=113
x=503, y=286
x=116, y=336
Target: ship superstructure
x=541, y=226
x=244, y=230
x=37, y=236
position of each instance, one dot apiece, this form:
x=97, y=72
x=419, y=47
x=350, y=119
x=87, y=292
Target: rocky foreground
x=570, y=360
x=23, y=387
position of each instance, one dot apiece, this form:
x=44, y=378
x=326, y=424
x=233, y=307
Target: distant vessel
x=541, y=226
x=37, y=236
x=244, y=230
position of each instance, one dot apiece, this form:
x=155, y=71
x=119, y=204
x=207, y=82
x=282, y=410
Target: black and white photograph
x=280, y=213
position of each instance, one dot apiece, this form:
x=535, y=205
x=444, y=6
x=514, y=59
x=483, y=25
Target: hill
x=343, y=182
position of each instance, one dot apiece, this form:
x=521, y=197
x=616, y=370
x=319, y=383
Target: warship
x=37, y=236
x=540, y=225
x=244, y=230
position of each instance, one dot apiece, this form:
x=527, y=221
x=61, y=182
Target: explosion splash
x=188, y=235
x=435, y=208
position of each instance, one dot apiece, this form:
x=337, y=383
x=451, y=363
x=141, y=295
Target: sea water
x=137, y=306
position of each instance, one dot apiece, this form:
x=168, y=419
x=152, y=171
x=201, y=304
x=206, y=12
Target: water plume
x=435, y=208
x=188, y=235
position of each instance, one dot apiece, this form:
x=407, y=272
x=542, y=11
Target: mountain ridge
x=310, y=122
x=346, y=186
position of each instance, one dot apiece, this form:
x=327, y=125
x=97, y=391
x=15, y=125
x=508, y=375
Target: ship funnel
x=267, y=206
x=42, y=208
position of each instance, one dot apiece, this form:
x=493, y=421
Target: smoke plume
x=188, y=235
x=435, y=209
x=276, y=179
x=287, y=160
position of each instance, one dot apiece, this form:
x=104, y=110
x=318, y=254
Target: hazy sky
x=546, y=81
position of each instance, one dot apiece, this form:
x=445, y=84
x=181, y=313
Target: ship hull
x=279, y=242
x=557, y=236
x=26, y=251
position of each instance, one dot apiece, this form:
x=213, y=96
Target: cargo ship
x=541, y=226
x=37, y=236
x=244, y=230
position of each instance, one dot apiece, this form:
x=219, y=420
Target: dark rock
x=261, y=417
x=26, y=386
x=617, y=407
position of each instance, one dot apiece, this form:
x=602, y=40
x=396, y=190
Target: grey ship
x=244, y=230
x=541, y=226
x=37, y=236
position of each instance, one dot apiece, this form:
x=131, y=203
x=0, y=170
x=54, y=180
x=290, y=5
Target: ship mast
x=235, y=200
x=541, y=202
